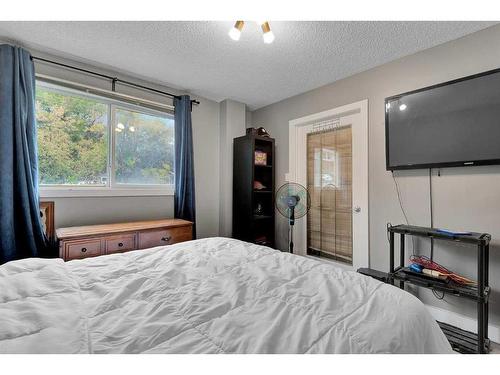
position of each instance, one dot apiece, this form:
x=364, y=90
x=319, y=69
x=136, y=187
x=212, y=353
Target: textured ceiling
x=199, y=57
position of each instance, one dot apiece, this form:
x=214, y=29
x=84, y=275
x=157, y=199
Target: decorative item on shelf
x=263, y=132
x=257, y=185
x=252, y=131
x=261, y=240
x=259, y=209
x=260, y=157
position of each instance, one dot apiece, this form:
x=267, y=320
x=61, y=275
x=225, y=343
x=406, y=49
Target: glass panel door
x=329, y=181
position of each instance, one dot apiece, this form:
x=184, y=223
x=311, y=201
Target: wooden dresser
x=95, y=240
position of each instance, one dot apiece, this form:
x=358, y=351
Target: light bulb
x=120, y=126
x=131, y=128
x=268, y=37
x=118, y=130
x=267, y=33
x=235, y=32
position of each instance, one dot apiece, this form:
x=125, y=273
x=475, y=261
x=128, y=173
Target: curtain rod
x=113, y=80
x=103, y=92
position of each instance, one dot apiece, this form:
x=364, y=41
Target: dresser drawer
x=162, y=237
x=82, y=249
x=118, y=244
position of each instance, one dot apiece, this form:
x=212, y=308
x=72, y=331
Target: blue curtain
x=21, y=233
x=184, y=201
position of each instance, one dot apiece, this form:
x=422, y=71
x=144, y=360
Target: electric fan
x=293, y=202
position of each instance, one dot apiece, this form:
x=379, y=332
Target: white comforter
x=214, y=295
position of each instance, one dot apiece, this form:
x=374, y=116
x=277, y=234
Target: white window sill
x=69, y=192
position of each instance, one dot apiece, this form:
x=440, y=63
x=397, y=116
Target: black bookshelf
x=461, y=340
x=253, y=208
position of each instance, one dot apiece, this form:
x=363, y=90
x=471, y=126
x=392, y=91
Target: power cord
x=400, y=200
x=431, y=211
x=436, y=294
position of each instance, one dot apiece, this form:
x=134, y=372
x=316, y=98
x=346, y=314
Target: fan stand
x=291, y=222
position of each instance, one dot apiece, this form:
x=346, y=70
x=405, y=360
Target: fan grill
x=283, y=195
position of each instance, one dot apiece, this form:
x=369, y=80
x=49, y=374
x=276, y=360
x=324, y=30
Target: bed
x=215, y=295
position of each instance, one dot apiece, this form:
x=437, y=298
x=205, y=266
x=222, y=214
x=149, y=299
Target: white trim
x=88, y=191
x=297, y=130
x=462, y=321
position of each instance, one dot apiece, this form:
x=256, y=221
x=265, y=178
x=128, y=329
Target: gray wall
x=97, y=210
x=466, y=198
x=232, y=125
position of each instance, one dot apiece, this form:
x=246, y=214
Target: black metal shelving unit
x=248, y=225
x=462, y=341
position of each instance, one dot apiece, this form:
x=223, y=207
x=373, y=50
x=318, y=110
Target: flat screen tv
x=451, y=124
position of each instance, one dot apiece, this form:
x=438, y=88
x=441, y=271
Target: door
x=329, y=156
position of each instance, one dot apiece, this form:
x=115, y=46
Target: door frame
x=298, y=173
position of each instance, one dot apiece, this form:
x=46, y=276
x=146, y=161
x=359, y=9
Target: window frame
x=112, y=188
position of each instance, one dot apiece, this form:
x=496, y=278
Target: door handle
x=357, y=209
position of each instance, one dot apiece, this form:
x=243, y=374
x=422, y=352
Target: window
x=87, y=141
x=144, y=148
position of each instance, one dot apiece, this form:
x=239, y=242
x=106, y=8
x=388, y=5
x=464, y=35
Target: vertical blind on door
x=329, y=181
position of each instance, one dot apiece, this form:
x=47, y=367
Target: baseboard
x=462, y=321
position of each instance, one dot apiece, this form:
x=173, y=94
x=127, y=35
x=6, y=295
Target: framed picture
x=260, y=158
x=47, y=218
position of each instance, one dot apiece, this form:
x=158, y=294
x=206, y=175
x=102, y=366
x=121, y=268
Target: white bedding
x=214, y=295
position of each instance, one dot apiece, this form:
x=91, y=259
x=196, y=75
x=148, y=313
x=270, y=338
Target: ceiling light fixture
x=235, y=32
x=268, y=35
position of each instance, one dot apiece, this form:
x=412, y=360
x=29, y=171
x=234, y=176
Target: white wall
x=463, y=197
x=97, y=210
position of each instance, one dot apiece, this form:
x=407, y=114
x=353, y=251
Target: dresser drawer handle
x=166, y=239
x=84, y=249
x=120, y=244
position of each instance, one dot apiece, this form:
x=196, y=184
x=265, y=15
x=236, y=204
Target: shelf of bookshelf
x=263, y=166
x=262, y=217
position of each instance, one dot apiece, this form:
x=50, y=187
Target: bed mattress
x=215, y=295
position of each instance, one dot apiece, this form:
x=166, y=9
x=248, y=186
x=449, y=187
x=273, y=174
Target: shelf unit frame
x=246, y=224
x=463, y=341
